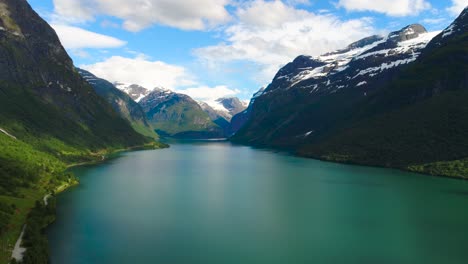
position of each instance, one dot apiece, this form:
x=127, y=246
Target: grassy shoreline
x=30, y=207
x=457, y=169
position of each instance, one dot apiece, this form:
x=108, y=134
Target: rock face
x=240, y=119
x=178, y=115
x=135, y=91
x=363, y=66
x=42, y=93
x=121, y=103
x=381, y=101
x=407, y=33
x=233, y=105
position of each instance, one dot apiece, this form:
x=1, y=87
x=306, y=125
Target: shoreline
x=105, y=156
x=354, y=163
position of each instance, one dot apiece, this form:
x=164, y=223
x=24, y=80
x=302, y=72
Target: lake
x=217, y=203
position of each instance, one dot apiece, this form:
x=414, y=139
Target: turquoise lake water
x=216, y=203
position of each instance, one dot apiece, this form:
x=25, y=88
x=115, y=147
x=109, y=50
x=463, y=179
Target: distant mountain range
x=178, y=115
x=396, y=101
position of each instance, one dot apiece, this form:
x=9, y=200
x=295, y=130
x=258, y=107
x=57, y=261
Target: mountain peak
x=135, y=91
x=407, y=33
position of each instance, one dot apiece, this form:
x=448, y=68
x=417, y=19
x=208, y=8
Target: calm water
x=214, y=203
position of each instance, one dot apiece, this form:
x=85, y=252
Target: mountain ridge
x=323, y=115
x=122, y=103
x=178, y=115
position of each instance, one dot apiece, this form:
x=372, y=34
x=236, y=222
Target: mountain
x=222, y=110
x=42, y=96
x=178, y=115
x=396, y=101
x=121, y=103
x=217, y=116
x=135, y=91
x=225, y=107
x=50, y=118
x=239, y=120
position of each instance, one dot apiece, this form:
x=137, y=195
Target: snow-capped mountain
x=178, y=115
x=225, y=107
x=135, y=91
x=293, y=104
x=394, y=101
x=356, y=65
x=459, y=26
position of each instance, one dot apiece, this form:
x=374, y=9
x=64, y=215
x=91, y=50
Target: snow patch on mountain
x=136, y=92
x=216, y=105
x=417, y=43
x=448, y=31
x=366, y=58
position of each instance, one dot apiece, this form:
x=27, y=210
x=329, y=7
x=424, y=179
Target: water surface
x=215, y=203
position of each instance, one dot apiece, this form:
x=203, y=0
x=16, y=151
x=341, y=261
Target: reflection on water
x=212, y=202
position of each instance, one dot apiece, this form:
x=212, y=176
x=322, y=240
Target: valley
x=202, y=175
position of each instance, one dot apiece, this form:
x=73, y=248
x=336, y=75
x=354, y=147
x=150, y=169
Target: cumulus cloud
x=209, y=94
x=77, y=38
x=272, y=33
x=391, y=8
x=140, y=70
x=457, y=7
x=139, y=14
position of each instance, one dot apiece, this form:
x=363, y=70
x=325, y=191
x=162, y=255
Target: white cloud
x=139, y=14
x=140, y=70
x=391, y=8
x=457, y=7
x=272, y=33
x=73, y=10
x=434, y=21
x=209, y=94
x=78, y=38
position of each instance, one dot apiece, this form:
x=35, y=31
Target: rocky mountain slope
x=222, y=110
x=43, y=96
x=121, y=103
x=227, y=107
x=135, y=91
x=178, y=115
x=240, y=119
x=381, y=101
x=49, y=118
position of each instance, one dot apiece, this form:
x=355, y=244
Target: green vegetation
x=26, y=174
x=145, y=130
x=181, y=117
x=416, y=119
x=418, y=122
x=456, y=168
x=58, y=121
x=34, y=239
x=122, y=104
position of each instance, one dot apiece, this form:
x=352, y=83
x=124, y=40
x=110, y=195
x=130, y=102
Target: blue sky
x=215, y=48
